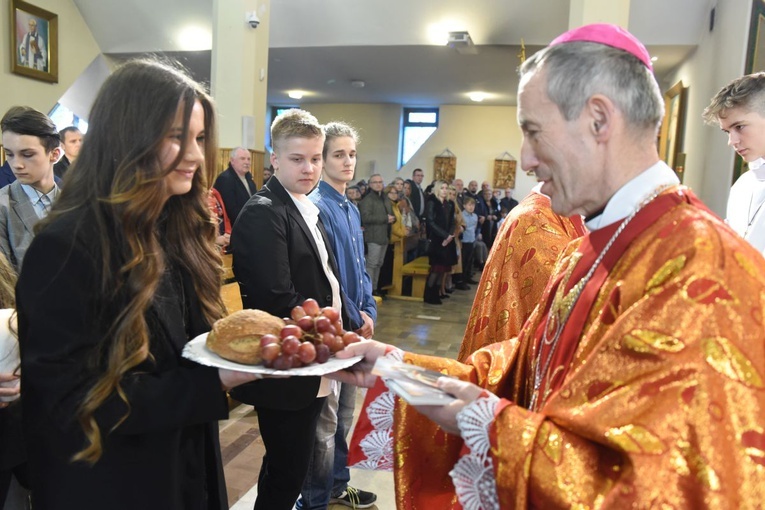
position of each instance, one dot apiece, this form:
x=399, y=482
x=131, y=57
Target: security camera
x=253, y=19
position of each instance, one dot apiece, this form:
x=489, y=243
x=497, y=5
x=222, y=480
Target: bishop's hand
x=446, y=415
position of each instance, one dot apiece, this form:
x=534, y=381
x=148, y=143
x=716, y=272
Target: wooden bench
x=231, y=297
x=417, y=269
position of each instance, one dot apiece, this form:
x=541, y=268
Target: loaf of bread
x=237, y=337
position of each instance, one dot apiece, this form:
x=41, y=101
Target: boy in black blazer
x=281, y=258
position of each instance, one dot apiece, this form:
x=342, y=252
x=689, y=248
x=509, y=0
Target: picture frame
x=34, y=42
x=673, y=128
x=755, y=62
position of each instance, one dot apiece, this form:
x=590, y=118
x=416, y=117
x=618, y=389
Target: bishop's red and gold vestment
x=653, y=388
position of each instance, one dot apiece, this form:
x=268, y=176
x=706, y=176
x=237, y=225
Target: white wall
x=76, y=50
x=475, y=134
x=378, y=126
x=719, y=58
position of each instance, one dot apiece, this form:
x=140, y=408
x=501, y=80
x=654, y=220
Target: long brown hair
x=119, y=180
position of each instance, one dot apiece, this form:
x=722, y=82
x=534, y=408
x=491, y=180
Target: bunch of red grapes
x=311, y=335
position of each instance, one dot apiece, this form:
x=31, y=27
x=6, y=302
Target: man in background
x=71, y=141
x=235, y=184
x=472, y=190
x=418, y=196
x=376, y=217
x=739, y=110
x=459, y=187
x=487, y=209
x=508, y=202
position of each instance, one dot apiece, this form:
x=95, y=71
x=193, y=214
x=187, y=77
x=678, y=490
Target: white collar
x=305, y=206
x=758, y=168
x=629, y=197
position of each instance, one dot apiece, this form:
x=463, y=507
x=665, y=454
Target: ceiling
x=322, y=46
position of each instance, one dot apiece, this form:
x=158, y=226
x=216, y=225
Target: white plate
x=196, y=350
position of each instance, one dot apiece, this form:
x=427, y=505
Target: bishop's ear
x=600, y=111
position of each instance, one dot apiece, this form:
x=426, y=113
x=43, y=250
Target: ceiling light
x=296, y=94
x=477, y=96
x=654, y=59
x=438, y=33
x=194, y=38
x=358, y=84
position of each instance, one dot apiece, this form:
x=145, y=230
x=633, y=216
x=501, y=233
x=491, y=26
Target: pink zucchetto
x=610, y=35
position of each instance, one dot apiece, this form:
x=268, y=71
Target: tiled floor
x=413, y=326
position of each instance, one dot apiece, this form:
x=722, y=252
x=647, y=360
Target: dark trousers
x=467, y=261
x=288, y=437
x=386, y=270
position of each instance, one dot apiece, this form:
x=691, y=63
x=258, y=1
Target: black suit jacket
x=508, y=203
x=165, y=454
x=417, y=198
x=234, y=196
x=277, y=265
x=61, y=166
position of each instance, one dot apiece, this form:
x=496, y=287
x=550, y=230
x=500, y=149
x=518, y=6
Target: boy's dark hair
x=24, y=120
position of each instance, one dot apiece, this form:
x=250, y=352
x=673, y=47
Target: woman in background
x=439, y=214
x=454, y=278
x=397, y=232
x=122, y=273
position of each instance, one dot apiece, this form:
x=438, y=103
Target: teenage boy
x=281, y=258
x=32, y=146
x=327, y=480
x=739, y=110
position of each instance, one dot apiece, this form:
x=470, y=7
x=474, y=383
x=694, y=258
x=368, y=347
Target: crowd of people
x=614, y=357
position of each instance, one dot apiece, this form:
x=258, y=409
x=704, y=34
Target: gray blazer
x=17, y=221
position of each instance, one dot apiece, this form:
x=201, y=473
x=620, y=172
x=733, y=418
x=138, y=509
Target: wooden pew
x=231, y=297
x=417, y=269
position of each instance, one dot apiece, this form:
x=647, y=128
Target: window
x=275, y=112
x=64, y=117
x=278, y=110
x=418, y=125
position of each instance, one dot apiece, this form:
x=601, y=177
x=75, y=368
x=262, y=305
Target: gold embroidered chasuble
x=521, y=260
x=662, y=404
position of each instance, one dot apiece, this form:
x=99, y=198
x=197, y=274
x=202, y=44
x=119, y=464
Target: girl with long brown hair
x=121, y=274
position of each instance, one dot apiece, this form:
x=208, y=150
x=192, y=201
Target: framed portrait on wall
x=755, y=62
x=34, y=42
x=673, y=129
